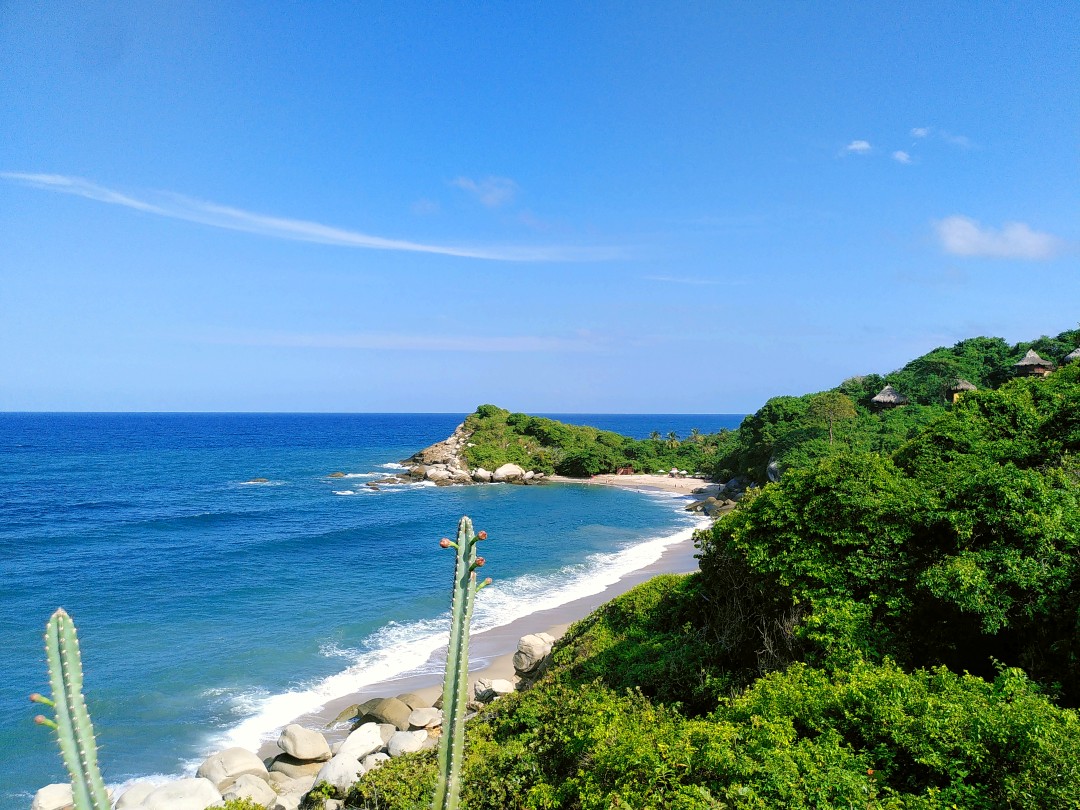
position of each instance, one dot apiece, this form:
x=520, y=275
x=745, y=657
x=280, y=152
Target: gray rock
x=439, y=475
x=53, y=797
x=288, y=801
x=390, y=710
x=284, y=784
x=429, y=717
x=388, y=730
x=341, y=772
x=365, y=740
x=345, y=715
x=183, y=794
x=531, y=653
x=529, y=475
x=488, y=689
x=405, y=742
x=250, y=786
x=413, y=700
x=224, y=767
x=482, y=476
x=507, y=473
x=303, y=743
x=373, y=761
x=772, y=471
x=295, y=768
x=134, y=795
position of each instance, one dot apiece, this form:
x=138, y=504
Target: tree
x=830, y=407
x=673, y=439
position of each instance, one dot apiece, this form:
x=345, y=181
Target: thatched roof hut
x=889, y=397
x=959, y=387
x=1071, y=356
x=1033, y=366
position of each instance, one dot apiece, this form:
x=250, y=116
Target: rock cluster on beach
x=381, y=728
x=444, y=464
x=726, y=499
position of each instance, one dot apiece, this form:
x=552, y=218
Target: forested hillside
x=893, y=623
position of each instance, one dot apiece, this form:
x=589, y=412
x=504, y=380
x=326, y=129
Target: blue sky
x=665, y=207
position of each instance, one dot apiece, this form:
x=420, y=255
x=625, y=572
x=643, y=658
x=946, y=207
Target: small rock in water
x=336, y=475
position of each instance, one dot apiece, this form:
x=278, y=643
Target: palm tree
x=655, y=436
x=673, y=440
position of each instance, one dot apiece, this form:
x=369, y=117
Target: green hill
x=894, y=623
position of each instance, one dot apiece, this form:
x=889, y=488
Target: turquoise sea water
x=212, y=611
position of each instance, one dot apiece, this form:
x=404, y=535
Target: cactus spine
x=456, y=682
x=74, y=730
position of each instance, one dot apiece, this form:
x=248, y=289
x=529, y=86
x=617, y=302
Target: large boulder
x=531, y=654
x=373, y=761
x=341, y=772
x=439, y=475
x=249, y=786
x=303, y=743
x=225, y=767
x=365, y=740
x=508, y=473
x=413, y=700
x=134, y=795
x=405, y=742
x=426, y=718
x=481, y=476
x=390, y=710
x=53, y=797
x=183, y=794
x=295, y=768
x=488, y=689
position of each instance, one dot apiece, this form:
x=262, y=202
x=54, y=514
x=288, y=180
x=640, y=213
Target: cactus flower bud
x=480, y=562
x=487, y=581
x=444, y=543
x=482, y=535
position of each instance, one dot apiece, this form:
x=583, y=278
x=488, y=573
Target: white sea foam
x=343, y=492
x=393, y=465
x=361, y=475
x=400, y=649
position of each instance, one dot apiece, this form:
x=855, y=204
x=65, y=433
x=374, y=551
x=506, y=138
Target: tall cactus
x=456, y=682
x=74, y=730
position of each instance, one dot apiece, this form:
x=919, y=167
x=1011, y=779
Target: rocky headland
x=444, y=464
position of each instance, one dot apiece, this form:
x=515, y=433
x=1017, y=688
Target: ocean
x=211, y=610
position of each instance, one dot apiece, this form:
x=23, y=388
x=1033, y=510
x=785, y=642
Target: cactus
x=456, y=682
x=74, y=731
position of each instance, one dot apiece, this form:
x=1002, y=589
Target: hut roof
x=889, y=396
x=1032, y=359
x=1073, y=355
x=962, y=385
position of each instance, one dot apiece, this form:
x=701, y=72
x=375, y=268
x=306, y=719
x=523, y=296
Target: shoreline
x=491, y=651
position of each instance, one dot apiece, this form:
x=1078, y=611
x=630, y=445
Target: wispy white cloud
x=962, y=141
x=900, y=156
x=491, y=191
x=399, y=341
x=698, y=282
x=963, y=236
x=858, y=147
x=177, y=206
x=920, y=132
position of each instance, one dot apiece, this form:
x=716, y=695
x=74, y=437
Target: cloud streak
x=178, y=206
x=963, y=236
x=858, y=148
x=492, y=192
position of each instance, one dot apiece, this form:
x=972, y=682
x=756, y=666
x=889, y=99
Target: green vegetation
x=895, y=623
x=545, y=445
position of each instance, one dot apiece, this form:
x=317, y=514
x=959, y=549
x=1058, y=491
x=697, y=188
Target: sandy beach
x=491, y=652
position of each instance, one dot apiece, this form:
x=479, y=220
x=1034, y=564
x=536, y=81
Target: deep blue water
x=212, y=611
